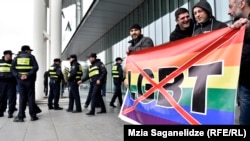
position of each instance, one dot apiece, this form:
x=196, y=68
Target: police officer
x=56, y=76
x=117, y=74
x=74, y=76
x=96, y=74
x=24, y=67
x=91, y=88
x=7, y=85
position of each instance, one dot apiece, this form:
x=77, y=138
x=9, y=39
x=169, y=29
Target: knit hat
x=136, y=26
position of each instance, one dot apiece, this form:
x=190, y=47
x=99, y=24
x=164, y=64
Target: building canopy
x=100, y=18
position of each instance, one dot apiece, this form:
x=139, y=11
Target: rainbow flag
x=192, y=81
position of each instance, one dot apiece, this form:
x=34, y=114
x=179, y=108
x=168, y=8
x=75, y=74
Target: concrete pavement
x=59, y=125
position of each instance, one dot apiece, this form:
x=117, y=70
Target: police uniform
x=45, y=82
x=56, y=76
x=24, y=67
x=7, y=86
x=88, y=99
x=117, y=74
x=95, y=72
x=74, y=76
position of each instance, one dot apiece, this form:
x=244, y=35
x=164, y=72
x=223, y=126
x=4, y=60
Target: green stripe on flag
x=218, y=99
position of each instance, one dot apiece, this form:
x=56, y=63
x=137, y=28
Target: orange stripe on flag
x=176, y=61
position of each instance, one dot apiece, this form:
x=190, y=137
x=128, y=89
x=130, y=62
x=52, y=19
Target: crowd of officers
x=18, y=75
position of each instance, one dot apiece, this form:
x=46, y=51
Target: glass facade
x=157, y=20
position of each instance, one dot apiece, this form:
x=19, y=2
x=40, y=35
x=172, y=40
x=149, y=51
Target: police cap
x=57, y=60
x=118, y=58
x=92, y=55
x=26, y=47
x=73, y=56
x=8, y=52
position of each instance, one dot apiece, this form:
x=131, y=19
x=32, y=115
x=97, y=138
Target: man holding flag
x=189, y=89
x=240, y=9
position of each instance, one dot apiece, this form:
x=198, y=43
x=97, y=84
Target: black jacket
x=244, y=78
x=178, y=34
x=97, y=65
x=211, y=24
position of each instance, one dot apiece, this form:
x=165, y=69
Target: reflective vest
x=52, y=72
x=115, y=72
x=79, y=73
x=23, y=65
x=4, y=67
x=93, y=71
x=5, y=71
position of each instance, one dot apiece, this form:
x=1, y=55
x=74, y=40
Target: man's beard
x=135, y=36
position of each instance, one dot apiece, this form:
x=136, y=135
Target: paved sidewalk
x=60, y=125
x=64, y=126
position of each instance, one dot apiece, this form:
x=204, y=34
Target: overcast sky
x=16, y=24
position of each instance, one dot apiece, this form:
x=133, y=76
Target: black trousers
x=7, y=96
x=117, y=94
x=45, y=89
x=26, y=94
x=74, y=96
x=54, y=93
x=97, y=98
x=88, y=100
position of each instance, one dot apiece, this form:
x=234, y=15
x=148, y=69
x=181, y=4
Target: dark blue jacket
x=75, y=73
x=6, y=76
x=96, y=66
x=32, y=73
